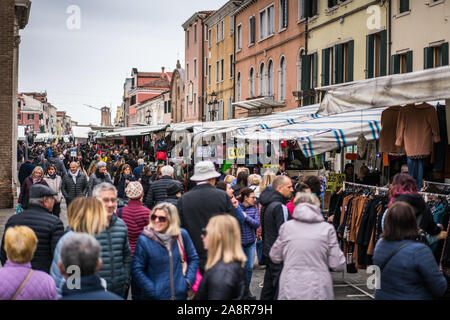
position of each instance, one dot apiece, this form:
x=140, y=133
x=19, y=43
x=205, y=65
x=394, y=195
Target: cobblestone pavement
x=346, y=286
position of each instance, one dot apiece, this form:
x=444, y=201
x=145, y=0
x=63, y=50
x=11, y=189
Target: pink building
x=194, y=79
x=270, y=39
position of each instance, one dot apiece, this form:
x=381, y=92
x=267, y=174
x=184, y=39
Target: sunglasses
x=160, y=218
x=204, y=232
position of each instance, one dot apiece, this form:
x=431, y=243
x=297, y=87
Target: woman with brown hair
x=125, y=177
x=225, y=276
x=408, y=268
x=54, y=181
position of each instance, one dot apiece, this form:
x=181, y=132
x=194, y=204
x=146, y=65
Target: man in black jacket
x=74, y=184
x=158, y=189
x=47, y=227
x=204, y=201
x=273, y=214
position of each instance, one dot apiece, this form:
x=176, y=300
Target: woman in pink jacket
x=308, y=247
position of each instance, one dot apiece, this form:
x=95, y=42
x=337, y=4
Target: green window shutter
x=428, y=58
x=383, y=53
x=444, y=54
x=395, y=64
x=369, y=56
x=325, y=67
x=306, y=72
x=409, y=61
x=316, y=63
x=339, y=72
x=351, y=59
x=404, y=5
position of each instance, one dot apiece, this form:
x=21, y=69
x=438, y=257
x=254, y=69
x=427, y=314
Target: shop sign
x=236, y=153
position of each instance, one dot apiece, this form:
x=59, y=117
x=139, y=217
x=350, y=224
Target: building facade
x=176, y=95
x=194, y=80
x=30, y=113
x=219, y=62
x=106, y=117
x=14, y=16
x=414, y=47
x=269, y=41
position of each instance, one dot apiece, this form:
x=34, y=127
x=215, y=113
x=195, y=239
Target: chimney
x=162, y=72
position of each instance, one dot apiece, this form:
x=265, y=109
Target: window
x=252, y=30
x=436, y=56
x=262, y=89
x=262, y=25
x=30, y=117
x=222, y=68
x=332, y=3
x=230, y=109
x=195, y=104
x=187, y=71
x=18, y=116
x=282, y=80
x=206, y=68
x=231, y=65
x=270, y=78
x=301, y=9
x=187, y=38
x=231, y=25
x=239, y=37
x=403, y=6
x=195, y=33
x=284, y=4
x=209, y=38
x=309, y=75
x=195, y=68
x=133, y=100
x=209, y=75
x=169, y=106
x=376, y=55
x=271, y=20
x=338, y=64
x=218, y=33
x=402, y=63
x=299, y=69
x=251, y=85
x=220, y=115
x=238, y=87
x=217, y=71
x=165, y=106
x=223, y=29
x=310, y=8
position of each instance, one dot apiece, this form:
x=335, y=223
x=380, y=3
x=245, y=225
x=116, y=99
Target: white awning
x=81, y=132
x=393, y=90
x=133, y=131
x=259, y=103
x=21, y=132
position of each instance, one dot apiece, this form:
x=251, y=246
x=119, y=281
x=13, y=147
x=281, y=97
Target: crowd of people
x=160, y=232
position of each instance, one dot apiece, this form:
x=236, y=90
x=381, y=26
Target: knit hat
x=101, y=164
x=173, y=189
x=134, y=190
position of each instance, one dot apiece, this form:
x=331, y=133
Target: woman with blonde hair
x=266, y=182
x=225, y=277
x=17, y=279
x=229, y=179
x=36, y=177
x=85, y=215
x=165, y=261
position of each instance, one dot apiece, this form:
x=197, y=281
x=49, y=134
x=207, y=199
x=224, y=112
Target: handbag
x=394, y=253
x=192, y=288
x=22, y=285
x=19, y=208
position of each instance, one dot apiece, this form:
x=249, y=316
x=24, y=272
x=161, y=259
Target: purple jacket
x=40, y=286
x=250, y=224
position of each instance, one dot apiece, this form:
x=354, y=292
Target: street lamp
x=213, y=105
x=148, y=116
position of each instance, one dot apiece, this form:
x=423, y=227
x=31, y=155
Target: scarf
x=166, y=239
x=52, y=176
x=74, y=175
x=99, y=175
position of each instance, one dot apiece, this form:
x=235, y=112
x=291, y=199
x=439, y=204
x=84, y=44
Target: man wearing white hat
x=204, y=201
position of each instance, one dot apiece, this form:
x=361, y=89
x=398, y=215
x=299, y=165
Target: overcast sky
x=89, y=65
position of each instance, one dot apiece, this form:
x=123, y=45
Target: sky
x=81, y=51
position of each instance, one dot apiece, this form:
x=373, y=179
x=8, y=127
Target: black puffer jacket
x=272, y=217
x=422, y=212
x=48, y=230
x=224, y=281
x=70, y=190
x=116, y=255
x=158, y=191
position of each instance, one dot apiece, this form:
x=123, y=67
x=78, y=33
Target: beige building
x=420, y=35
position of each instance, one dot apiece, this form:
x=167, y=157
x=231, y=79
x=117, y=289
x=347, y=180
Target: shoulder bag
x=22, y=285
x=394, y=253
x=192, y=288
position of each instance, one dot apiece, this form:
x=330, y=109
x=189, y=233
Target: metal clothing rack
x=436, y=183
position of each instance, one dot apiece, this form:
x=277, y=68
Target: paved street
x=344, y=288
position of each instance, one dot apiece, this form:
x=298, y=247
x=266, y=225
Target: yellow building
x=219, y=62
x=347, y=41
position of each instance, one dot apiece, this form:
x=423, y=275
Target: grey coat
x=70, y=190
x=308, y=247
x=93, y=181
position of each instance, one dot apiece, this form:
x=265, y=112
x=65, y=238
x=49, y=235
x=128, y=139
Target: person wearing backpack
x=408, y=268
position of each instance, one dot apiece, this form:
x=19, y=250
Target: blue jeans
x=259, y=252
x=249, y=251
x=415, y=170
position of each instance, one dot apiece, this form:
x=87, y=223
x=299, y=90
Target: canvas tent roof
x=393, y=90
x=81, y=132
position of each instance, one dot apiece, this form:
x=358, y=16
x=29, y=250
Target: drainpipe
x=203, y=72
x=389, y=12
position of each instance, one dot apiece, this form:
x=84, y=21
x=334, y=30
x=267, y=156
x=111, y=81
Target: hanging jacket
x=308, y=248
x=116, y=255
x=158, y=271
